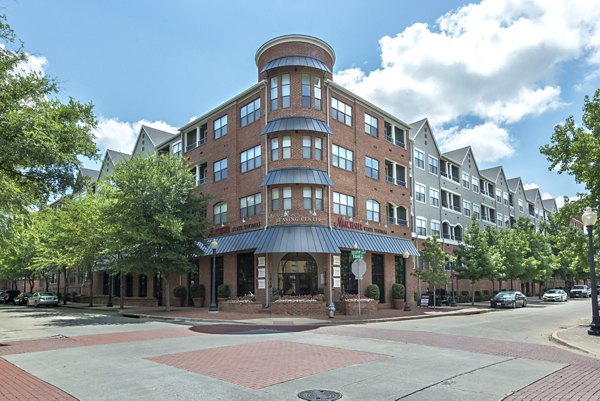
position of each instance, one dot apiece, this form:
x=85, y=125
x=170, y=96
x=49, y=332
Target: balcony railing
x=194, y=145
x=396, y=142
x=200, y=181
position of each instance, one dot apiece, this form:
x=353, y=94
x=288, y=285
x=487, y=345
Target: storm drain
x=319, y=395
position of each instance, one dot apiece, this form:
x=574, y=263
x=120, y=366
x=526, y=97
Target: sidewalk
x=578, y=338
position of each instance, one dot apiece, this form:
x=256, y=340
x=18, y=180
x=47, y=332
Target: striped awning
x=296, y=123
x=307, y=238
x=297, y=176
x=296, y=61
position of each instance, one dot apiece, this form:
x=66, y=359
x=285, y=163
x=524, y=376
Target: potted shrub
x=398, y=295
x=373, y=291
x=223, y=292
x=180, y=292
x=198, y=294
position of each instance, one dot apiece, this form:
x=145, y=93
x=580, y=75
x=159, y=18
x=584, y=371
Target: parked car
x=580, y=291
x=555, y=294
x=22, y=298
x=42, y=298
x=510, y=299
x=8, y=296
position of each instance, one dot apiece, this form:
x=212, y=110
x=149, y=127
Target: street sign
x=359, y=267
x=358, y=253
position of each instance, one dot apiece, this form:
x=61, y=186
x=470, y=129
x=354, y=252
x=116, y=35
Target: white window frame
x=418, y=186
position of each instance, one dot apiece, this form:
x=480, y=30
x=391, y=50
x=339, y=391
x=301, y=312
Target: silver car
x=510, y=299
x=42, y=298
x=556, y=295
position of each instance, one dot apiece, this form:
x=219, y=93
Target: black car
x=509, y=299
x=8, y=296
x=22, y=298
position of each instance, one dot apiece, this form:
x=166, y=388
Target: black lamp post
x=452, y=300
x=405, y=256
x=589, y=218
x=213, y=279
x=109, y=304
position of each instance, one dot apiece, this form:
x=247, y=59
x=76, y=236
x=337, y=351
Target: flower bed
x=299, y=305
x=240, y=305
x=349, y=305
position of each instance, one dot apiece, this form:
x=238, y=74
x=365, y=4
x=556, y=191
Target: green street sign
x=358, y=253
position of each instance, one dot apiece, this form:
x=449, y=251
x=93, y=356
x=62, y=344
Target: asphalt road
x=66, y=354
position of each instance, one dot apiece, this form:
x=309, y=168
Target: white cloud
x=530, y=186
x=495, y=61
x=489, y=142
x=33, y=64
x=121, y=135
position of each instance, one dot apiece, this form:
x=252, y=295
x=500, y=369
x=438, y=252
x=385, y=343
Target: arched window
x=220, y=213
x=298, y=274
x=372, y=210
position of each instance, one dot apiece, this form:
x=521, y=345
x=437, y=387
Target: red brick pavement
x=262, y=364
x=16, y=384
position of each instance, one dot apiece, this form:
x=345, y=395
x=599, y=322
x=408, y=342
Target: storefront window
x=349, y=282
x=298, y=274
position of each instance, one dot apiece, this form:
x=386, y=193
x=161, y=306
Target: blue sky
x=496, y=75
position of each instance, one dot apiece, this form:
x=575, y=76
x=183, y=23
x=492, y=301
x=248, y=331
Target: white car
x=556, y=295
x=42, y=298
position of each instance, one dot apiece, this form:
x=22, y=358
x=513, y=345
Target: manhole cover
x=318, y=395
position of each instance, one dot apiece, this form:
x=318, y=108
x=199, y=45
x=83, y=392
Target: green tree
x=435, y=259
x=509, y=254
x=41, y=137
x=17, y=252
x=538, y=262
x=154, y=219
x=473, y=259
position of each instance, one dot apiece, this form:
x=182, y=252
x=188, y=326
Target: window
x=373, y=211
x=220, y=127
x=341, y=111
x=250, y=113
x=475, y=183
x=286, y=147
x=194, y=138
x=476, y=212
x=275, y=149
x=498, y=195
x=318, y=198
x=220, y=213
x=500, y=219
x=306, y=147
x=274, y=93
x=317, y=89
x=434, y=197
x=435, y=227
x=421, y=226
x=343, y=204
x=176, y=148
x=505, y=197
x=420, y=192
x=318, y=149
x=306, y=91
x=199, y=173
x=520, y=205
x=250, y=159
x=220, y=170
x=372, y=168
x=285, y=91
x=275, y=205
x=465, y=180
x=250, y=205
x=466, y=208
x=371, y=125
x=419, y=159
x=433, y=165
x=342, y=157
x=307, y=198
x=394, y=134
x=287, y=198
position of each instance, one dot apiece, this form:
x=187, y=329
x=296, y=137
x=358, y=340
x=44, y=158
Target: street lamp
x=405, y=256
x=109, y=303
x=589, y=218
x=213, y=279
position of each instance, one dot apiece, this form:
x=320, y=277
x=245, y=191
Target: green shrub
x=373, y=291
x=486, y=295
x=179, y=291
x=223, y=291
x=197, y=291
x=477, y=296
x=397, y=291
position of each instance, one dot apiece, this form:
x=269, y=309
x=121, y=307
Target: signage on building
x=352, y=225
x=219, y=230
x=245, y=227
x=297, y=219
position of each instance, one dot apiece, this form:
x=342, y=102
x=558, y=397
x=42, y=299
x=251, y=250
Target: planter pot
x=399, y=304
x=198, y=302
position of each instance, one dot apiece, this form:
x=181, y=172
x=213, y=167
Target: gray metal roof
x=491, y=173
x=457, y=155
x=531, y=194
x=297, y=61
x=345, y=239
x=312, y=239
x=297, y=176
x=157, y=136
x=92, y=175
x=117, y=157
x=296, y=123
x=306, y=238
x=550, y=205
x=513, y=183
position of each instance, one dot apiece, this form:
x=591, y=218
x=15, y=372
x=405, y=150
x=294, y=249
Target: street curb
x=316, y=324
x=555, y=338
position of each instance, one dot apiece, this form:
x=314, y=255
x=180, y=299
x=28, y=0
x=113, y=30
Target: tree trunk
x=167, y=294
x=122, y=290
x=91, y=288
x=512, y=284
x=31, y=284
x=66, y=285
x=58, y=284
x=472, y=293
x=434, y=296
